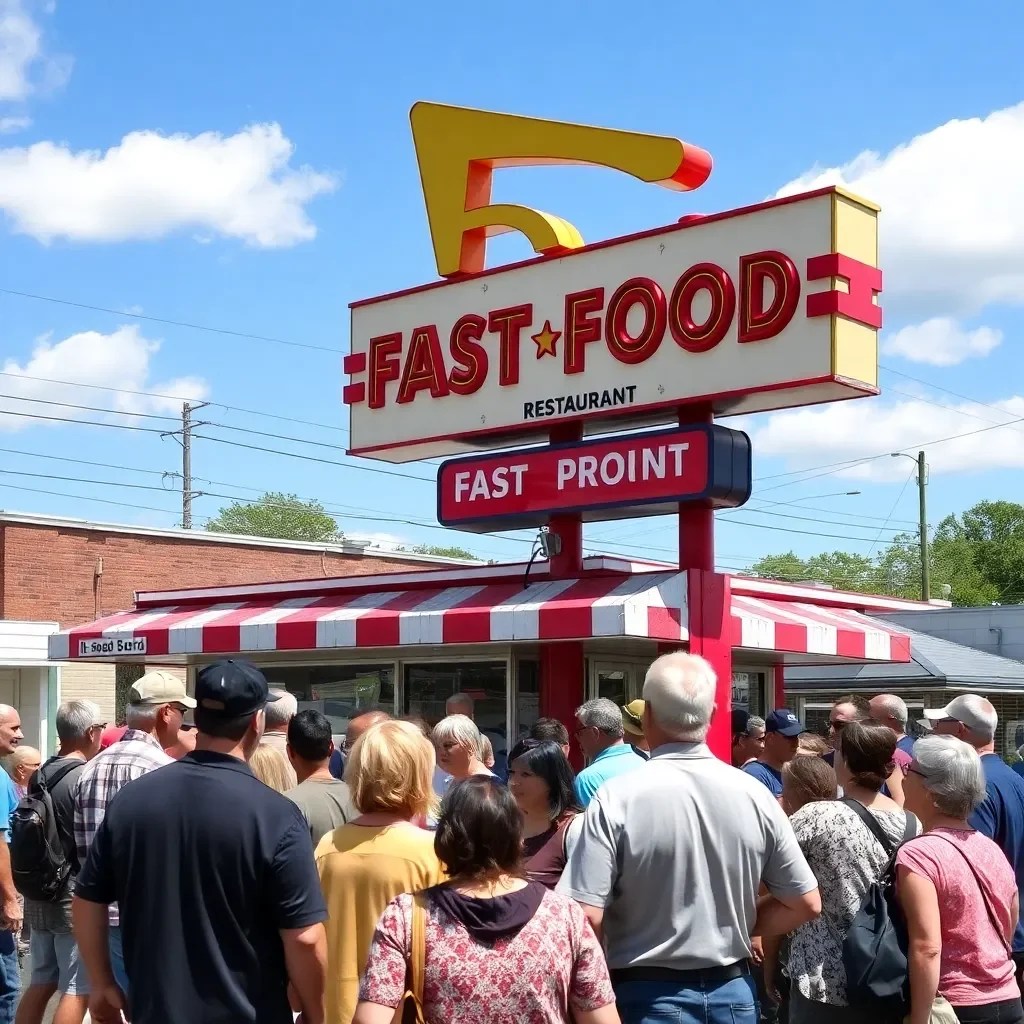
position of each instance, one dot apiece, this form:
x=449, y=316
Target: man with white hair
x=1000, y=816
x=156, y=707
x=669, y=860
x=56, y=966
x=280, y=712
x=601, y=736
x=459, y=704
x=10, y=908
x=890, y=710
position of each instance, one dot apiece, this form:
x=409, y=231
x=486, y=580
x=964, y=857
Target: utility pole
x=187, y=494
x=922, y=483
x=922, y=526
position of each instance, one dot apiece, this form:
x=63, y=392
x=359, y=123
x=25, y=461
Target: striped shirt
x=136, y=754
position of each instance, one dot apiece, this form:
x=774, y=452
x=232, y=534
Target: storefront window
x=748, y=692
x=429, y=685
x=341, y=692
x=613, y=684
x=527, y=695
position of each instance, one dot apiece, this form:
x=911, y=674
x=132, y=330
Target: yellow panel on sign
x=459, y=148
x=855, y=234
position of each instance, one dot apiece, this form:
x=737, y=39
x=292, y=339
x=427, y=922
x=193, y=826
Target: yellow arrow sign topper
x=459, y=148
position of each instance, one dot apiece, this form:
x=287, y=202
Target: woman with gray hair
x=459, y=748
x=957, y=891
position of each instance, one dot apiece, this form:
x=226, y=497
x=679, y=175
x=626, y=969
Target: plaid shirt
x=136, y=754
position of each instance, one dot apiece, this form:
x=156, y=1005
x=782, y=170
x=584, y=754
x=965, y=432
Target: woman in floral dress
x=499, y=949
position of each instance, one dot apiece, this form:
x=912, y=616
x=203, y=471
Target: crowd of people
x=217, y=868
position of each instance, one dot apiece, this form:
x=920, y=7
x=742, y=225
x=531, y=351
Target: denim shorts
x=55, y=961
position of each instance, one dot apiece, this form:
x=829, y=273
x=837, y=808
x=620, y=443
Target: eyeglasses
x=837, y=726
x=917, y=771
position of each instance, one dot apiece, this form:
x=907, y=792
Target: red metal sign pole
x=562, y=686
x=708, y=594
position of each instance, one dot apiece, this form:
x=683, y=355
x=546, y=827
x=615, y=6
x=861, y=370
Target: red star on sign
x=546, y=340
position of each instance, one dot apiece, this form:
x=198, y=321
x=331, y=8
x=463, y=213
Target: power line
x=807, y=519
x=172, y=323
x=899, y=498
x=173, y=398
x=218, y=440
x=311, y=458
x=785, y=529
x=86, y=497
x=90, y=408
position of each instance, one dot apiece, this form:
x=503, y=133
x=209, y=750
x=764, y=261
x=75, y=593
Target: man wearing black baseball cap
x=782, y=731
x=212, y=869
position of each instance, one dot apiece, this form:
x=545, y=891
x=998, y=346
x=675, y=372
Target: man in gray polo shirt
x=669, y=860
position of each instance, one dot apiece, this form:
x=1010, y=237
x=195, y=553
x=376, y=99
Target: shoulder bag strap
x=981, y=888
x=419, y=944
x=65, y=769
x=869, y=820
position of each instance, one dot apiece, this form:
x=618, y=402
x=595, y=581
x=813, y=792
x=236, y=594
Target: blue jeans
x=117, y=960
x=10, y=977
x=664, y=1002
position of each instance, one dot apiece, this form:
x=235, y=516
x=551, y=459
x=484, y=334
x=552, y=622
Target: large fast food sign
x=766, y=307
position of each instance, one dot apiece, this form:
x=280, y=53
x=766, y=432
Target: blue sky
x=291, y=189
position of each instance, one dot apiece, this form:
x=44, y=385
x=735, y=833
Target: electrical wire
x=172, y=323
x=174, y=398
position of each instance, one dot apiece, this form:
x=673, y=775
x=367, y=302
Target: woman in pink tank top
x=958, y=892
x=541, y=781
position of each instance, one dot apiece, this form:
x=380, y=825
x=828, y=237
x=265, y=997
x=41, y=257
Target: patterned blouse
x=552, y=964
x=845, y=858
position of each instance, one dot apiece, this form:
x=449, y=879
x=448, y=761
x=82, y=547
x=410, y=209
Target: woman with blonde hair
x=365, y=863
x=459, y=747
x=270, y=767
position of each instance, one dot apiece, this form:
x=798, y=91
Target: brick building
x=58, y=572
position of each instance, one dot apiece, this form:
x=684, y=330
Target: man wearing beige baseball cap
x=156, y=705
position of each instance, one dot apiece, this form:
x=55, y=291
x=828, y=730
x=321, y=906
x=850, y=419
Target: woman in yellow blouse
x=364, y=864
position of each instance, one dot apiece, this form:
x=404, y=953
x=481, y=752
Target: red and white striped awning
x=769, y=625
x=650, y=605
x=641, y=605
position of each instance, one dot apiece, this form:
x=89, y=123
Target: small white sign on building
x=107, y=646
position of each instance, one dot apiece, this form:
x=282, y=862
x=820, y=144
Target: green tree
x=838, y=568
x=444, y=552
x=277, y=515
x=978, y=554
x=787, y=568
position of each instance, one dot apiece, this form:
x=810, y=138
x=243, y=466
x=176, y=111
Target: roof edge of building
x=349, y=546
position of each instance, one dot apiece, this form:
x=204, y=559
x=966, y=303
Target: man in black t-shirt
x=56, y=966
x=220, y=900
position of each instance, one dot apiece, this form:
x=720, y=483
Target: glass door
x=620, y=682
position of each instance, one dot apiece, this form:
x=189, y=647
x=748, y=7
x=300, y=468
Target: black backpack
x=875, y=947
x=38, y=861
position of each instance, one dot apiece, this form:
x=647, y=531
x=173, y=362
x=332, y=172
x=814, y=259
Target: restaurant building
x=612, y=363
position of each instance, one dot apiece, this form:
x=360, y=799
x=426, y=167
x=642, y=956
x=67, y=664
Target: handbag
x=410, y=1007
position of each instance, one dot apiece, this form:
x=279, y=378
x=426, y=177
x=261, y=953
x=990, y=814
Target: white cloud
x=25, y=67
x=941, y=341
x=952, y=224
x=861, y=428
x=10, y=125
x=150, y=185
x=121, y=359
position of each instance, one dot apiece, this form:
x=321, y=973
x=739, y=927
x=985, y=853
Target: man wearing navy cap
x=221, y=905
x=782, y=731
